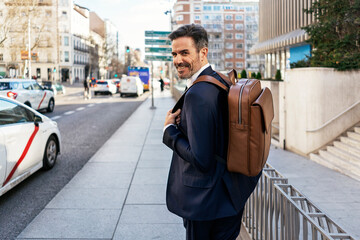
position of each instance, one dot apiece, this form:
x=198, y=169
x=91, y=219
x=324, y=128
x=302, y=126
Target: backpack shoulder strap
x=210, y=79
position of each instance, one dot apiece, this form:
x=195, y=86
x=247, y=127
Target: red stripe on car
x=42, y=100
x=22, y=155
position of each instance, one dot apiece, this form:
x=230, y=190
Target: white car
x=105, y=86
x=28, y=141
x=131, y=86
x=29, y=92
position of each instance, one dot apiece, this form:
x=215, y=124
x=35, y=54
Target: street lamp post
x=29, y=49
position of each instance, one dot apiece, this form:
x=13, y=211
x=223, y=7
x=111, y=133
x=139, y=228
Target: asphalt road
x=85, y=125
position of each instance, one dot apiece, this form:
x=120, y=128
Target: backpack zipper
x=241, y=92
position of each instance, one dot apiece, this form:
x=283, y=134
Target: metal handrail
x=277, y=210
x=334, y=118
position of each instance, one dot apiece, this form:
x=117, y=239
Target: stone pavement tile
x=146, y=194
x=155, y=163
x=73, y=223
x=150, y=214
x=162, y=154
x=108, y=167
x=89, y=198
x=120, y=155
x=144, y=176
x=150, y=231
x=115, y=180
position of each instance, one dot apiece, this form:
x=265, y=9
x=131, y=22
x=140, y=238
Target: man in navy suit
x=200, y=189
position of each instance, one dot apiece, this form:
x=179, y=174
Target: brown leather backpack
x=251, y=112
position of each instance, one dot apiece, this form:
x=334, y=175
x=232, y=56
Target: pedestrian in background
x=86, y=90
x=200, y=189
x=161, y=84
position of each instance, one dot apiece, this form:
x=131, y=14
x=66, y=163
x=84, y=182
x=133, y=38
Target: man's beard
x=186, y=65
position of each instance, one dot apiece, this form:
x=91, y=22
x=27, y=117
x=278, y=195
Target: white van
x=131, y=86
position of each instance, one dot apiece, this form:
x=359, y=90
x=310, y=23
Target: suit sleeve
x=198, y=148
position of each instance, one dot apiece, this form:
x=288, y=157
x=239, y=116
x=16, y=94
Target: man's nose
x=177, y=59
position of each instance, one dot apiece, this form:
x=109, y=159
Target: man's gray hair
x=196, y=32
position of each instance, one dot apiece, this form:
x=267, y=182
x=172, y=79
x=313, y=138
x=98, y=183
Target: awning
x=288, y=39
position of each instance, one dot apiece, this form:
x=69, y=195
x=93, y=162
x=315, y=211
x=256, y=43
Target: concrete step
x=330, y=161
x=340, y=164
x=348, y=148
x=350, y=141
x=357, y=130
x=354, y=135
x=348, y=157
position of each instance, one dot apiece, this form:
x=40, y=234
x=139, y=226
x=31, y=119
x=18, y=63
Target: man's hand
x=171, y=118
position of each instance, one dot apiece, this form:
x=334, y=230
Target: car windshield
x=8, y=85
x=102, y=83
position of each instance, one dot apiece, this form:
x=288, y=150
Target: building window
x=48, y=13
x=229, y=27
x=239, y=65
x=1, y=57
x=1, y=13
x=239, y=26
x=66, y=56
x=217, y=8
x=229, y=45
x=239, y=36
x=248, y=9
x=239, y=45
x=229, y=36
x=207, y=8
x=239, y=55
x=66, y=41
x=197, y=7
x=228, y=17
x=64, y=14
x=180, y=18
x=217, y=17
x=206, y=17
x=197, y=17
x=239, y=17
x=229, y=55
x=229, y=65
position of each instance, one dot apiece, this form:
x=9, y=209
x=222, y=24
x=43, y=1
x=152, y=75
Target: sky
x=132, y=18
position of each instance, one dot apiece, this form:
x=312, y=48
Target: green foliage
x=258, y=76
x=243, y=74
x=253, y=75
x=335, y=35
x=300, y=64
x=278, y=75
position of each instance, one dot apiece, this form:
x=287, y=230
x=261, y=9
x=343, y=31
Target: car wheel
x=50, y=153
x=51, y=105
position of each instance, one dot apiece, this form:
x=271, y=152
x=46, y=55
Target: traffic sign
x=157, y=42
x=157, y=50
x=158, y=58
x=156, y=33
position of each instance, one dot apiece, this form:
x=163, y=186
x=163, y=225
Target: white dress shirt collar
x=192, y=79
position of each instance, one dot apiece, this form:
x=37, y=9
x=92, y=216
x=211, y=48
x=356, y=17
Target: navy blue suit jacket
x=199, y=187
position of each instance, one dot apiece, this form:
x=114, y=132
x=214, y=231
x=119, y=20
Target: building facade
x=232, y=28
x=281, y=38
x=23, y=24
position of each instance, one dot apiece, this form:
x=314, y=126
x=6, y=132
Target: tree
x=243, y=74
x=335, y=35
x=253, y=75
x=278, y=75
x=258, y=76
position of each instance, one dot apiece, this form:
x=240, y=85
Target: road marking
x=69, y=112
x=80, y=109
x=91, y=105
x=56, y=117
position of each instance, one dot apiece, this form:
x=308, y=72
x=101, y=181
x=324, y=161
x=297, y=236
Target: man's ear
x=203, y=53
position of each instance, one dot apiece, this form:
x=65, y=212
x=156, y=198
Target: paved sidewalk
x=120, y=192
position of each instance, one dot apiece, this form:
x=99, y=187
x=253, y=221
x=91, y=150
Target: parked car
x=28, y=141
x=57, y=88
x=131, y=86
x=117, y=84
x=29, y=92
x=104, y=86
